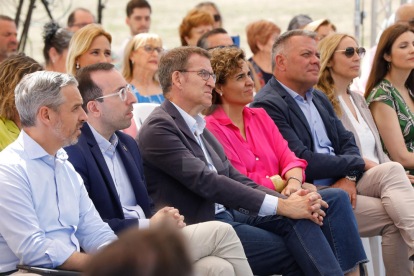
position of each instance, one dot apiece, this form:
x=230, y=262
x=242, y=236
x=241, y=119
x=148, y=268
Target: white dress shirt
x=45, y=211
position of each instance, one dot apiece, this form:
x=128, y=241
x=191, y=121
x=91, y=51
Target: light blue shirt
x=120, y=178
x=45, y=210
x=196, y=126
x=320, y=137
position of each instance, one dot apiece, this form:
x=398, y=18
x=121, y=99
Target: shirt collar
x=196, y=124
x=104, y=144
x=296, y=96
x=35, y=151
x=223, y=119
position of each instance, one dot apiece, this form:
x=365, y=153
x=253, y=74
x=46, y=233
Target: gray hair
x=42, y=88
x=299, y=21
x=280, y=44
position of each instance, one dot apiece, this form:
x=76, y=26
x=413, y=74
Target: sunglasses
x=149, y=48
x=350, y=52
x=217, y=17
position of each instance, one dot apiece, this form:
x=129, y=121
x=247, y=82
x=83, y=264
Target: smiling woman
x=89, y=45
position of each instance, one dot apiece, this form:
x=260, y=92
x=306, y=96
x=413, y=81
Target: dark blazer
x=294, y=127
x=89, y=162
x=178, y=175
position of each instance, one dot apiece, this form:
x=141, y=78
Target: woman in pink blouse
x=251, y=140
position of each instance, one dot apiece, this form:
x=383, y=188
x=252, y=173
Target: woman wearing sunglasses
x=390, y=95
x=141, y=58
x=390, y=188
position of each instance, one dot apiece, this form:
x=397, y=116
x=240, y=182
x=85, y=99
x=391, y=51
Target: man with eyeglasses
x=110, y=165
x=186, y=167
x=79, y=18
x=215, y=38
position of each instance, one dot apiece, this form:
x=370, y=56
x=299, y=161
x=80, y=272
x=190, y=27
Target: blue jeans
x=279, y=245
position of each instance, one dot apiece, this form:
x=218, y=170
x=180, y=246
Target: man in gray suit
x=185, y=167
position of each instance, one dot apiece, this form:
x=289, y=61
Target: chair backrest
x=142, y=111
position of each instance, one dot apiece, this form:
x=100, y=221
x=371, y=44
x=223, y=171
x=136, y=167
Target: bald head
x=404, y=13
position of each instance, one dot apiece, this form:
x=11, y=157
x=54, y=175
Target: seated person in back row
x=46, y=214
x=185, y=167
x=110, y=164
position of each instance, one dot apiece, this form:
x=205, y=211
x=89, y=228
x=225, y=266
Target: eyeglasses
x=223, y=46
x=350, y=51
x=410, y=22
x=217, y=17
x=122, y=93
x=149, y=48
x=204, y=74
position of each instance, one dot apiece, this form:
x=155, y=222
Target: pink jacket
x=264, y=154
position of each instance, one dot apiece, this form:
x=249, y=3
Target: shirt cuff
x=269, y=206
x=143, y=224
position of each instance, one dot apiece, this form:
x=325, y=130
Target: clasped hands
x=167, y=216
x=303, y=205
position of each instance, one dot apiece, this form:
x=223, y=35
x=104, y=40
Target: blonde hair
x=133, y=45
x=326, y=84
x=81, y=42
x=314, y=26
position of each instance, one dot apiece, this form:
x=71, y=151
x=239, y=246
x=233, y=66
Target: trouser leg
x=373, y=220
x=341, y=230
x=219, y=240
x=304, y=240
x=389, y=182
x=213, y=266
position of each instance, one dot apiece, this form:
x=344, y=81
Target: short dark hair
x=202, y=41
x=87, y=88
x=56, y=37
x=174, y=60
x=140, y=4
x=5, y=17
x=71, y=18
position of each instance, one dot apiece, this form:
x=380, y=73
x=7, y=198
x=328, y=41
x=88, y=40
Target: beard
x=67, y=140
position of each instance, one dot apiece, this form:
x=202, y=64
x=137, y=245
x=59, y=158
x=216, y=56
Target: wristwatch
x=352, y=178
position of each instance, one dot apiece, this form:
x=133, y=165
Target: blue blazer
x=89, y=162
x=294, y=127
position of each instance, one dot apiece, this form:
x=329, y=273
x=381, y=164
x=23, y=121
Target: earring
x=77, y=65
x=221, y=94
x=132, y=61
x=388, y=65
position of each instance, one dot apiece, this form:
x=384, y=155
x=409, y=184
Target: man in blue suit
x=110, y=165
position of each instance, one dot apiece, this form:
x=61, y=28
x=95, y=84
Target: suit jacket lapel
x=134, y=176
x=100, y=161
x=291, y=103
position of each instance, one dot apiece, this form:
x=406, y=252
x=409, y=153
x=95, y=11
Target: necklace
x=147, y=93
